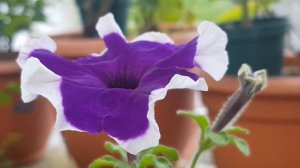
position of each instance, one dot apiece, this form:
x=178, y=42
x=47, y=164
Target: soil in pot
x=273, y=119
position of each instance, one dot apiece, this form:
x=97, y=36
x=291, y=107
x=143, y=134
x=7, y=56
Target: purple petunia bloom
x=116, y=91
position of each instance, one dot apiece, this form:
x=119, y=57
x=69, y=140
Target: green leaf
x=170, y=153
x=98, y=163
x=162, y=162
x=201, y=120
x=116, y=149
x=14, y=88
x=146, y=161
x=104, y=161
x=238, y=130
x=220, y=138
x=242, y=145
x=4, y=98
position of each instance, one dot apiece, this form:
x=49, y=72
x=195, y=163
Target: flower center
x=124, y=83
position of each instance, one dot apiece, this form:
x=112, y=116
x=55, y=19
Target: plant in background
x=261, y=8
x=151, y=15
x=6, y=95
x=143, y=14
x=16, y=15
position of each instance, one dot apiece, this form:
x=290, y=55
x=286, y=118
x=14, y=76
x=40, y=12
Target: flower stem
x=196, y=157
x=131, y=158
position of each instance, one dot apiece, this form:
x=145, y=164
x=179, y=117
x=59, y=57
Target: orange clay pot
x=23, y=135
x=176, y=131
x=273, y=119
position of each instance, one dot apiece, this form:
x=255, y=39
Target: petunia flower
x=116, y=91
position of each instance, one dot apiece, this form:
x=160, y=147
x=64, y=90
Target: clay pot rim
x=288, y=86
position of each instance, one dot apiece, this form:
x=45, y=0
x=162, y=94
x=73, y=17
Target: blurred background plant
x=16, y=15
x=7, y=93
x=149, y=15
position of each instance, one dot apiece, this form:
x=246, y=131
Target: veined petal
x=130, y=120
x=151, y=136
x=211, y=55
x=207, y=52
x=43, y=42
x=36, y=80
x=154, y=37
x=110, y=32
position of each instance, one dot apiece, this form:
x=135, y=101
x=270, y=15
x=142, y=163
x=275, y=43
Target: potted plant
x=257, y=39
x=30, y=123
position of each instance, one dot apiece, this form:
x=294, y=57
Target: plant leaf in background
x=5, y=99
x=16, y=15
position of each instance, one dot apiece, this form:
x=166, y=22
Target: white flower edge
x=36, y=80
x=107, y=25
x=44, y=42
x=154, y=37
x=211, y=54
x=152, y=134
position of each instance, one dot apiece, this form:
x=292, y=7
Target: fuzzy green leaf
x=147, y=161
x=220, y=138
x=170, y=153
x=116, y=149
x=98, y=163
x=201, y=120
x=242, y=145
x=162, y=162
x=238, y=130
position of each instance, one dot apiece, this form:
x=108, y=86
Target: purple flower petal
x=154, y=37
x=116, y=91
x=211, y=54
x=36, y=80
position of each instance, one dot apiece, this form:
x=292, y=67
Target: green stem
x=246, y=19
x=196, y=157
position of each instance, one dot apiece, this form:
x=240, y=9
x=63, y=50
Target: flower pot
x=260, y=45
x=176, y=131
x=25, y=128
x=273, y=119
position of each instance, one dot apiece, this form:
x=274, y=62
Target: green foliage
x=9, y=91
x=210, y=139
x=252, y=8
x=158, y=157
x=146, y=15
x=16, y=15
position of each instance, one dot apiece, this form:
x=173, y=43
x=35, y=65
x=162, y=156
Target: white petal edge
x=211, y=54
x=44, y=42
x=154, y=37
x=36, y=80
x=152, y=135
x=107, y=25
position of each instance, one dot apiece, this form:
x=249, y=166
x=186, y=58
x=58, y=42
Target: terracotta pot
x=273, y=119
x=25, y=128
x=176, y=131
